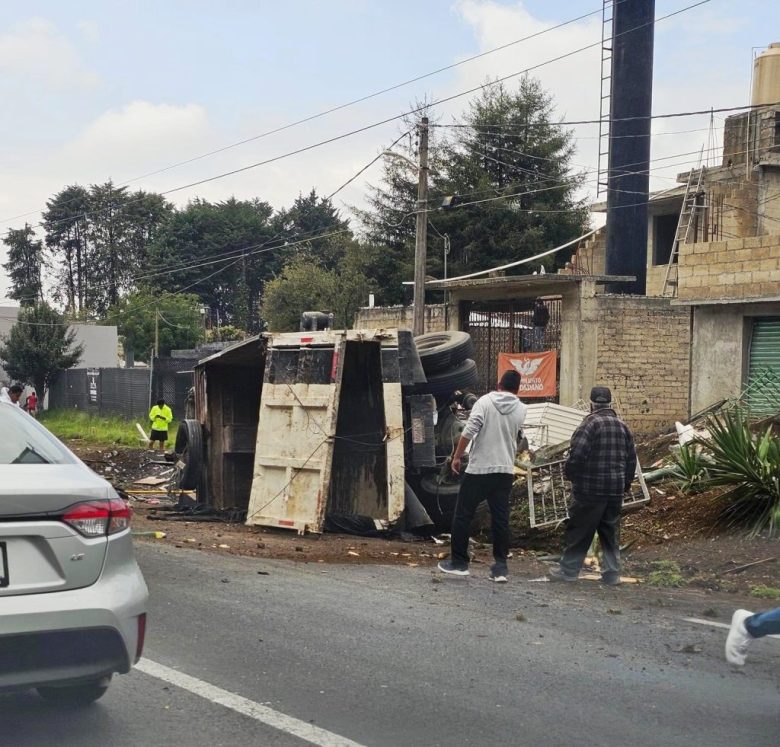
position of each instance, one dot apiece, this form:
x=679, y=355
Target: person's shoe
x=454, y=569
x=611, y=579
x=738, y=640
x=559, y=575
x=498, y=574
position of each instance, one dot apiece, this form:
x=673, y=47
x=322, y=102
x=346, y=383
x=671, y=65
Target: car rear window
x=24, y=441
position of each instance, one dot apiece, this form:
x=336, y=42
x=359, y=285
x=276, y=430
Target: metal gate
x=507, y=327
x=763, y=386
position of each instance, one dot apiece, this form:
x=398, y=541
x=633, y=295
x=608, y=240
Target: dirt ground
x=675, y=534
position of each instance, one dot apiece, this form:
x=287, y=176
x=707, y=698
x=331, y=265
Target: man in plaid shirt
x=601, y=467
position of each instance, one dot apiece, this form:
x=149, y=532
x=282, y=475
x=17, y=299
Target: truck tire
x=189, y=452
x=441, y=350
x=445, y=490
x=462, y=376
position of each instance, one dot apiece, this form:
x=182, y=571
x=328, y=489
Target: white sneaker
x=738, y=639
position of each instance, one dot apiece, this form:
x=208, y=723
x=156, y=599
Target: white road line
x=264, y=714
x=713, y=624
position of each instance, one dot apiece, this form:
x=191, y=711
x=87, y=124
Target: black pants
x=474, y=489
x=586, y=518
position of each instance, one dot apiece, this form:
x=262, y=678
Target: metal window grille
x=549, y=493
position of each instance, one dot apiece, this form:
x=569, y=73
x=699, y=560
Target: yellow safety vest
x=160, y=417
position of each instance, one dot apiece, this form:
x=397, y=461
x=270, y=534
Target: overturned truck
x=295, y=427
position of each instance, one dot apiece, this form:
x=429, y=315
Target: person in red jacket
x=31, y=404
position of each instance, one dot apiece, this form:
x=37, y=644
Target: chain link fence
x=123, y=391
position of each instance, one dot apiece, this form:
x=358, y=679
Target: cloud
x=90, y=30
x=136, y=138
x=120, y=144
x=574, y=81
x=35, y=51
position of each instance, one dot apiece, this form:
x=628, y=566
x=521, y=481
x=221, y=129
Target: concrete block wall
x=740, y=269
x=656, y=275
x=735, y=204
x=643, y=354
x=590, y=256
x=400, y=317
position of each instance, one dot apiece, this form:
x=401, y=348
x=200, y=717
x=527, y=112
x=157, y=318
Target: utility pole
x=156, y=332
x=420, y=247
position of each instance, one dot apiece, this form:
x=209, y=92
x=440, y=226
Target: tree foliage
x=39, y=346
x=25, y=258
x=224, y=252
x=177, y=316
x=309, y=218
x=509, y=169
x=98, y=238
x=305, y=285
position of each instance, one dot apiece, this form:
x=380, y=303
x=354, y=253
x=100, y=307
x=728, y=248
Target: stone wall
x=643, y=354
x=400, y=317
x=742, y=269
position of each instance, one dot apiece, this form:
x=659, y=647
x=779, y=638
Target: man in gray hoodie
x=492, y=430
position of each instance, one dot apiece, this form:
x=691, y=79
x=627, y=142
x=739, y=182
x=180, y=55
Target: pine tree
x=25, y=258
x=38, y=347
x=508, y=167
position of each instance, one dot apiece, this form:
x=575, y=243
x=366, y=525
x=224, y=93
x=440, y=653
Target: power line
x=672, y=115
x=359, y=100
x=366, y=167
x=420, y=108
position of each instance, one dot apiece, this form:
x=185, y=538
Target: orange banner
x=538, y=376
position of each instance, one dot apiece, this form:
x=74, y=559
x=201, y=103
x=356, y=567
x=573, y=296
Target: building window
x=776, y=142
x=664, y=233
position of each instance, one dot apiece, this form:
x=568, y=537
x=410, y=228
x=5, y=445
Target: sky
x=129, y=89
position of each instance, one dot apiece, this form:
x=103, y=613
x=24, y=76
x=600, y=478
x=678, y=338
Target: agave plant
x=690, y=468
x=748, y=465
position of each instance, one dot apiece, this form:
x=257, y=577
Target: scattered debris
x=744, y=567
x=691, y=648
x=151, y=481
x=521, y=618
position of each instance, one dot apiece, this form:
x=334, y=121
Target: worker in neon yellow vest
x=161, y=416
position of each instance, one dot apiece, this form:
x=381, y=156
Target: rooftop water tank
x=766, y=77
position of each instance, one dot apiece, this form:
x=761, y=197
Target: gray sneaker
x=454, y=569
x=559, y=575
x=498, y=573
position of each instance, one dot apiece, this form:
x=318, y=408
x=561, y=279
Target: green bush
x=749, y=466
x=666, y=574
x=690, y=468
x=766, y=592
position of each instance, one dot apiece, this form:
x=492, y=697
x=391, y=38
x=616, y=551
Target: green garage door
x=764, y=369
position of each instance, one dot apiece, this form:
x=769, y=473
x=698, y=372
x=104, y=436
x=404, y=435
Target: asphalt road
x=387, y=656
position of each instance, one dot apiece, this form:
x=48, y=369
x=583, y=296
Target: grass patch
x=765, y=592
x=665, y=574
x=97, y=430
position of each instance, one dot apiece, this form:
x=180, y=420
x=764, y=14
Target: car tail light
x=139, y=648
x=120, y=516
x=98, y=518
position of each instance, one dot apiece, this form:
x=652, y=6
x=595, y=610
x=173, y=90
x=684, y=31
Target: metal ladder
x=687, y=217
x=605, y=101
